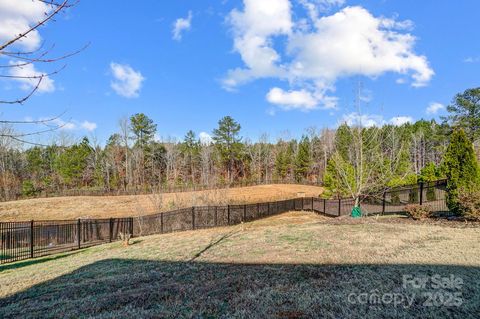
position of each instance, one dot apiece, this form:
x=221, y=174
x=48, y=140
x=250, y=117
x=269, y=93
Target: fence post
x=228, y=214
x=421, y=193
x=383, y=202
x=339, y=207
x=193, y=217
x=131, y=226
x=215, y=216
x=312, y=204
x=324, y=205
x=79, y=227
x=161, y=223
x=110, y=228
x=31, y=239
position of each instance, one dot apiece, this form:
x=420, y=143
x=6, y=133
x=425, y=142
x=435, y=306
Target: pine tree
x=143, y=129
x=302, y=160
x=465, y=112
x=343, y=141
x=460, y=167
x=228, y=143
x=72, y=163
x=190, y=149
x=283, y=162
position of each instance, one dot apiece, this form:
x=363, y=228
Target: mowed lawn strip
x=295, y=265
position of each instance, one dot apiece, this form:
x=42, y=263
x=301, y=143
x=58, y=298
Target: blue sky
x=297, y=63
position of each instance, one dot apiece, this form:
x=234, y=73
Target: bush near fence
x=30, y=239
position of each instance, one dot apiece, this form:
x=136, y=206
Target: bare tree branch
x=21, y=59
x=48, y=17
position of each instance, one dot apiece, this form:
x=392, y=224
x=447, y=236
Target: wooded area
x=132, y=159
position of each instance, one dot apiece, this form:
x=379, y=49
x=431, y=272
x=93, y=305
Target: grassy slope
x=118, y=206
x=294, y=265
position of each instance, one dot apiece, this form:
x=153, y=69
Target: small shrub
x=418, y=211
x=327, y=194
x=469, y=204
x=28, y=189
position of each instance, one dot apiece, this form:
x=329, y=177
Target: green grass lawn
x=296, y=265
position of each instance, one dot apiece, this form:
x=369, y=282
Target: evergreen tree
x=143, y=129
x=190, y=149
x=302, y=160
x=228, y=143
x=465, y=112
x=343, y=141
x=283, y=160
x=71, y=164
x=460, y=167
x=429, y=173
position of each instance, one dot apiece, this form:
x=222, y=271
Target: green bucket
x=356, y=212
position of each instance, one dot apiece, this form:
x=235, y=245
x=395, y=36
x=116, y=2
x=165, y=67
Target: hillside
x=135, y=205
x=295, y=265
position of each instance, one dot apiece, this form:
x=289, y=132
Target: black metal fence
x=23, y=240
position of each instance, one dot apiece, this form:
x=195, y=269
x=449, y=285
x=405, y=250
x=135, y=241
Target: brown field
x=136, y=205
x=294, y=265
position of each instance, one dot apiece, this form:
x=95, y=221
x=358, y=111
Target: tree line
x=348, y=160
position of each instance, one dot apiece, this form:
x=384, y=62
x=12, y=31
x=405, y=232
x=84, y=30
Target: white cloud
x=348, y=43
x=70, y=125
x=354, y=42
x=315, y=7
x=127, y=82
x=17, y=16
x=472, y=59
x=400, y=120
x=370, y=120
x=252, y=30
x=205, y=138
x=434, y=107
x=364, y=120
x=89, y=126
x=60, y=123
x=181, y=25
x=26, y=76
x=292, y=99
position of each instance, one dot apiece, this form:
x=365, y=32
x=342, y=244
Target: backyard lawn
x=294, y=265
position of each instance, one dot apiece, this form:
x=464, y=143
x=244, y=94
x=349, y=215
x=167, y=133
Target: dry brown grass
x=135, y=205
x=295, y=265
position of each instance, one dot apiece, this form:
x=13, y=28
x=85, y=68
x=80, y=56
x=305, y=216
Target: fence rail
x=30, y=239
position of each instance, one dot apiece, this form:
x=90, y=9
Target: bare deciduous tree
x=18, y=61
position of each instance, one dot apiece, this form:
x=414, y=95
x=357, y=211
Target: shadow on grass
x=213, y=244
x=29, y=262
x=135, y=241
x=124, y=288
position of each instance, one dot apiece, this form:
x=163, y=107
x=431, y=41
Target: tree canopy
x=465, y=113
